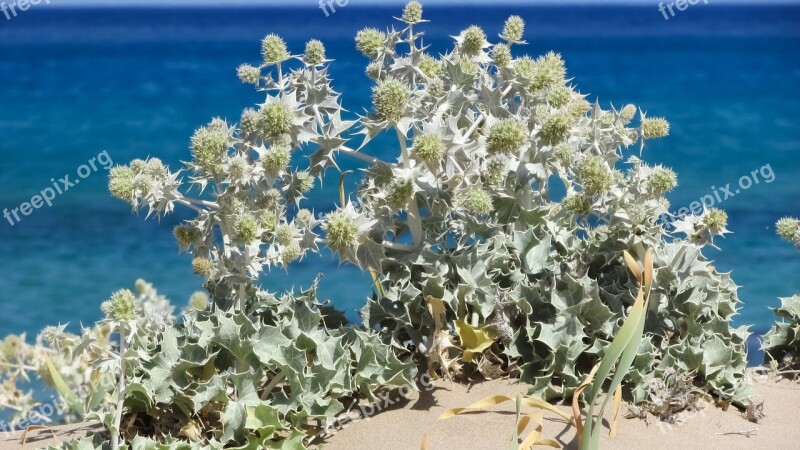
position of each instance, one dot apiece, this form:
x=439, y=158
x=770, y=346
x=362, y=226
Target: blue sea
x=137, y=82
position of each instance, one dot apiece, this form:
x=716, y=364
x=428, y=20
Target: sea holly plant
x=781, y=344
x=510, y=198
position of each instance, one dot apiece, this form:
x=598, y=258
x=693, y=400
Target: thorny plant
x=781, y=344
x=495, y=240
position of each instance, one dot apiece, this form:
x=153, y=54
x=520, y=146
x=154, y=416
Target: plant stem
x=280, y=376
x=359, y=155
x=115, y=430
x=414, y=217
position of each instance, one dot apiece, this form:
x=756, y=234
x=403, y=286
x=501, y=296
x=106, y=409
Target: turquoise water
x=138, y=82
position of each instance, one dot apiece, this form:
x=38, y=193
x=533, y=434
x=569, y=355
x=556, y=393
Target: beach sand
x=402, y=425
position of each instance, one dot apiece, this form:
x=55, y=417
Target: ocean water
x=137, y=82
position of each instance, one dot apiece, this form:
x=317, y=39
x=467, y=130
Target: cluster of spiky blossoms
x=781, y=344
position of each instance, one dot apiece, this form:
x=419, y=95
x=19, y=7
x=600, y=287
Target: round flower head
x=121, y=306
x=276, y=119
x=399, y=192
x=138, y=166
x=304, y=217
x=374, y=70
x=390, y=98
x=715, y=220
x=412, y=13
x=248, y=74
x=202, y=266
x=273, y=49
x=237, y=167
x=556, y=128
x=655, y=128
x=370, y=42
x=208, y=146
x=497, y=169
x=305, y=181
x=245, y=228
x=473, y=40
x=250, y=120
x=788, y=228
x=565, y=154
x=627, y=113
x=501, y=55
x=285, y=234
x=428, y=148
x=291, y=253
x=513, y=29
x=430, y=66
x=186, y=235
x=269, y=221
x=199, y=301
x=315, y=53
x=276, y=159
x=577, y=204
x=506, y=136
x=272, y=199
x=155, y=168
x=545, y=73
x=477, y=201
x=342, y=230
x=559, y=96
x=662, y=180
x=594, y=174
x=121, y=183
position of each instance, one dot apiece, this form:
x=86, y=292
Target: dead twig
x=746, y=433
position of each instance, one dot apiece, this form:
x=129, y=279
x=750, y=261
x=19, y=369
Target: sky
x=374, y=2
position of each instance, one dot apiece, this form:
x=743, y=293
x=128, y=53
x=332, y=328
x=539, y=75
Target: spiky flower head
x=594, y=174
x=559, y=96
x=186, y=235
x=412, y=13
x=715, y=220
x=501, y=55
x=202, y=266
x=399, y=192
x=556, y=128
x=269, y=221
x=248, y=74
x=276, y=159
x=577, y=204
x=121, y=306
x=627, y=112
x=565, y=154
x=477, y=201
x=155, y=168
x=428, y=148
x=578, y=107
x=545, y=73
x=506, y=136
x=208, y=145
x=655, y=128
x=788, y=228
x=304, y=217
x=390, y=97
x=662, y=180
x=138, y=166
x=121, y=183
x=370, y=42
x=305, y=181
x=245, y=228
x=315, y=53
x=513, y=29
x=276, y=119
x=497, y=169
x=199, y=301
x=374, y=70
x=250, y=120
x=430, y=66
x=341, y=229
x=291, y=253
x=285, y=234
x=473, y=40
x=273, y=49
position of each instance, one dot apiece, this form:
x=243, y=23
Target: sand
x=401, y=425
